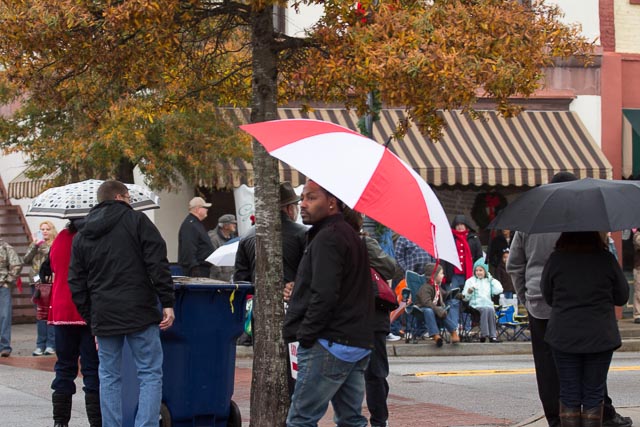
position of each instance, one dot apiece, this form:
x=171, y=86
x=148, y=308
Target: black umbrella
x=582, y=205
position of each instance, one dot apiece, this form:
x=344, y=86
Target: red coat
x=62, y=311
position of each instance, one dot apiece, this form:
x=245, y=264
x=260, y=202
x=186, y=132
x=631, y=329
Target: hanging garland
x=486, y=206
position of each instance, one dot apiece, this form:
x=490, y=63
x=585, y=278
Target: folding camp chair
x=510, y=326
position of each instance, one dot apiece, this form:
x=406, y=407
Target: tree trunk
x=124, y=171
x=269, y=392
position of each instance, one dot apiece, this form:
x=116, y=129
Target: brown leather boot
x=569, y=417
x=592, y=417
x=455, y=338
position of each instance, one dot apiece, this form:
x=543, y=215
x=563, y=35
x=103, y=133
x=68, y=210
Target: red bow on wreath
x=492, y=201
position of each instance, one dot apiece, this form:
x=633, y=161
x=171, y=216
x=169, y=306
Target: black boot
x=92, y=402
x=592, y=417
x=61, y=409
x=569, y=417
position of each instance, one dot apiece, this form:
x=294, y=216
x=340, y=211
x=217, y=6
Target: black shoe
x=439, y=342
x=636, y=320
x=483, y=339
x=617, y=421
x=494, y=339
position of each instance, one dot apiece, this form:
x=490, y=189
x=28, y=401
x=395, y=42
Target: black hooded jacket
x=119, y=270
x=333, y=295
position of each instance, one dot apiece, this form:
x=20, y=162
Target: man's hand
x=288, y=290
x=167, y=318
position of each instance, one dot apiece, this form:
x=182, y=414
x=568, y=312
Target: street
x=502, y=386
x=436, y=391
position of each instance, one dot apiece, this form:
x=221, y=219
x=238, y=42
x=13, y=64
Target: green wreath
x=486, y=206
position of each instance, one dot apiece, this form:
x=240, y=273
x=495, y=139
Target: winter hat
x=481, y=263
x=460, y=219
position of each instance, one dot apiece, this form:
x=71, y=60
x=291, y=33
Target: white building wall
x=589, y=109
x=584, y=12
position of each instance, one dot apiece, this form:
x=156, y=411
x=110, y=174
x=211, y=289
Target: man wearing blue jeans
x=119, y=276
x=330, y=314
x=10, y=266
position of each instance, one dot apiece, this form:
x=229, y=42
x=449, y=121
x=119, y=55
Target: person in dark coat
x=330, y=315
x=497, y=246
x=293, y=241
x=194, y=244
x=469, y=251
x=118, y=276
x=583, y=282
x=376, y=385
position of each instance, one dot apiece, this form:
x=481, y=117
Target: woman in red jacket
x=74, y=341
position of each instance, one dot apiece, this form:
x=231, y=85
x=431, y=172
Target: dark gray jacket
x=119, y=273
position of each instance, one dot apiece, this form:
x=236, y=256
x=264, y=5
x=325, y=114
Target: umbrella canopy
x=582, y=205
x=75, y=200
x=225, y=255
x=363, y=174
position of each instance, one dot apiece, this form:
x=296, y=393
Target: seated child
x=478, y=290
x=431, y=302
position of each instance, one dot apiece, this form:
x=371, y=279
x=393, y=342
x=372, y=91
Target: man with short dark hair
x=119, y=276
x=194, y=245
x=330, y=314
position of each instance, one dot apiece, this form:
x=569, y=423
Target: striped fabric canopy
x=523, y=151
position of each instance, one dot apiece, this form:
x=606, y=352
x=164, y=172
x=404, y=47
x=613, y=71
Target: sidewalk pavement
x=25, y=394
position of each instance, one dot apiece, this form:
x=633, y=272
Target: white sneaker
x=37, y=352
x=49, y=351
x=392, y=337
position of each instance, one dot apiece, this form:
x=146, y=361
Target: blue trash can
x=199, y=357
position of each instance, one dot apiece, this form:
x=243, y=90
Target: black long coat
x=582, y=290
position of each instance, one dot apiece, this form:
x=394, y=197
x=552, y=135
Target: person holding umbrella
x=76, y=344
x=527, y=257
x=330, y=315
x=582, y=282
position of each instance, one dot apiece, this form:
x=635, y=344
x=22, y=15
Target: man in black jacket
x=194, y=244
x=293, y=241
x=330, y=315
x=118, y=276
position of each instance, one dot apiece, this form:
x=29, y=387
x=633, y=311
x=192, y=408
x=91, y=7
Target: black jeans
x=376, y=385
x=582, y=377
x=75, y=342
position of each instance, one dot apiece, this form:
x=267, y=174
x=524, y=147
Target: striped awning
x=523, y=151
x=24, y=187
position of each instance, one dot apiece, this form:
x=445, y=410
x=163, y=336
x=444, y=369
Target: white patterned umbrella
x=76, y=200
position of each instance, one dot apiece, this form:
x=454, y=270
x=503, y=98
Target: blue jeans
x=147, y=355
x=323, y=378
x=46, y=337
x=583, y=377
x=5, y=319
x=434, y=323
x=75, y=342
x=457, y=282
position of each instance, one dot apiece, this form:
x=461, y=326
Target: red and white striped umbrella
x=363, y=174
